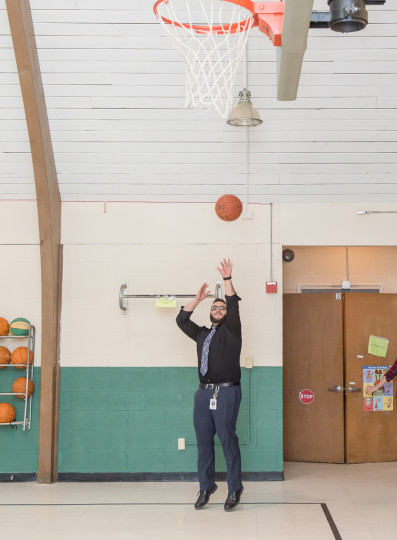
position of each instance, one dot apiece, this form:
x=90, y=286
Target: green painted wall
x=19, y=449
x=129, y=420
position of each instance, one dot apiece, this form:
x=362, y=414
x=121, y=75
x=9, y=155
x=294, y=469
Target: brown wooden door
x=313, y=360
x=370, y=436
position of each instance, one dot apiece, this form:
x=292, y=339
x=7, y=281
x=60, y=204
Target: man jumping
x=217, y=401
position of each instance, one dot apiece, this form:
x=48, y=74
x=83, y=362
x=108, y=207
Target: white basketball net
x=211, y=58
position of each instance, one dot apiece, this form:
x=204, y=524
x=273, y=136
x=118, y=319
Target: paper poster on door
x=382, y=399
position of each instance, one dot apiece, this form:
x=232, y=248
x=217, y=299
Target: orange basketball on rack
x=7, y=413
x=20, y=356
x=5, y=356
x=4, y=327
x=19, y=387
x=228, y=207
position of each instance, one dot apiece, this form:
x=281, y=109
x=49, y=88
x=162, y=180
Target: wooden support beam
x=49, y=215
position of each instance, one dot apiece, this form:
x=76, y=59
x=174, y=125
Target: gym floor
x=316, y=501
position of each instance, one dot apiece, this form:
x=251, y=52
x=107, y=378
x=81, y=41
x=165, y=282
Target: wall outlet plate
x=181, y=444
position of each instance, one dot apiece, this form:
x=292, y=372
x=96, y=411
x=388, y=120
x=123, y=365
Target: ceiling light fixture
x=244, y=113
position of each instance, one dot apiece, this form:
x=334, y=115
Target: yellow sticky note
x=378, y=346
x=166, y=301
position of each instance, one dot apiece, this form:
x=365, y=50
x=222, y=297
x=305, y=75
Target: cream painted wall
x=20, y=284
x=330, y=265
x=337, y=224
x=171, y=248
x=170, y=223
x=160, y=249
x=19, y=223
x=333, y=226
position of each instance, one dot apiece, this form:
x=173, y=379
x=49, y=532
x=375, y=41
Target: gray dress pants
x=221, y=421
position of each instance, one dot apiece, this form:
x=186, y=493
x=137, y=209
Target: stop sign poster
x=306, y=396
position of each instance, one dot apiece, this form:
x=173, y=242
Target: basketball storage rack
x=124, y=296
x=27, y=414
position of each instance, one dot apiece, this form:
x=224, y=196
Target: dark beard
x=217, y=321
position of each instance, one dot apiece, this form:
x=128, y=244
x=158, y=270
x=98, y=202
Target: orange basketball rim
x=268, y=17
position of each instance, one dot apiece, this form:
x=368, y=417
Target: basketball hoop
x=211, y=50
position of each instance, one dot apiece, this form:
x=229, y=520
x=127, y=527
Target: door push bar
x=123, y=296
x=339, y=388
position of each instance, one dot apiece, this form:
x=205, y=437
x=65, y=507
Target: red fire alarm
x=271, y=286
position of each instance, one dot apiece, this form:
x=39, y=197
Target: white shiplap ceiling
x=114, y=88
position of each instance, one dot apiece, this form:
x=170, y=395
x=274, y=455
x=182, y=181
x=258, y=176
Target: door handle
x=336, y=388
x=354, y=389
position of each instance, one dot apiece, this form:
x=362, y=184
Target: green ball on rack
x=20, y=327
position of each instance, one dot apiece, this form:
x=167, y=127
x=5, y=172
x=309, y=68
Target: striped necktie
x=206, y=350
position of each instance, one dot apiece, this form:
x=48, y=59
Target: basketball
x=19, y=387
x=228, y=207
x=4, y=327
x=7, y=413
x=5, y=356
x=20, y=356
x=20, y=327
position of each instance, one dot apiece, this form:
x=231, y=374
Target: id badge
x=213, y=404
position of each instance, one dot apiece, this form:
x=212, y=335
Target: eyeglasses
x=221, y=308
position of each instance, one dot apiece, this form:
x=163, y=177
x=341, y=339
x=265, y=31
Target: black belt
x=211, y=386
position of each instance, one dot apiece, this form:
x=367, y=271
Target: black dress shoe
x=233, y=499
x=204, y=497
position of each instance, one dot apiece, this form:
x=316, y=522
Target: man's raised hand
x=226, y=268
x=202, y=292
